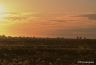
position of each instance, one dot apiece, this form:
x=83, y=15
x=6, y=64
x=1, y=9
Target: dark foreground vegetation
x=46, y=51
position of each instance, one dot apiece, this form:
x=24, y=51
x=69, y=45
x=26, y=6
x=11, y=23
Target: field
x=49, y=51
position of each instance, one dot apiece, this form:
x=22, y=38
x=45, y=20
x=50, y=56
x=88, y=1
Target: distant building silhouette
x=79, y=37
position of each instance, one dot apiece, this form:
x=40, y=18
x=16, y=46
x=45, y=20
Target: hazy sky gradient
x=49, y=18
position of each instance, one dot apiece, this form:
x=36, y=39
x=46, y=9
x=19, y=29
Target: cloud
x=57, y=20
x=19, y=16
x=89, y=16
x=85, y=29
x=61, y=20
x=16, y=18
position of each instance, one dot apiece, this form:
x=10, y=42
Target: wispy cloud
x=15, y=18
x=55, y=20
x=19, y=16
x=62, y=20
x=89, y=16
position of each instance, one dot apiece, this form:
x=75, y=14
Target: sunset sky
x=48, y=18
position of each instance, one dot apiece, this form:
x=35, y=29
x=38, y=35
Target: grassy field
x=49, y=51
x=44, y=56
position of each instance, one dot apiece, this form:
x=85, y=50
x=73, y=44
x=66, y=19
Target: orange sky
x=48, y=18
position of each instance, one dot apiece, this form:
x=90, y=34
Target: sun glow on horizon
x=2, y=9
x=3, y=15
x=2, y=12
